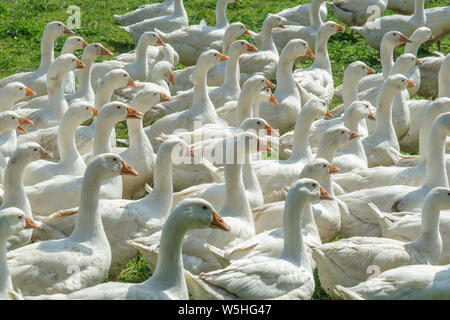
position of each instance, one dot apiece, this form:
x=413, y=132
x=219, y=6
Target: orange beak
x=328, y=115
x=85, y=44
x=431, y=38
x=325, y=195
x=404, y=39
x=23, y=121
x=370, y=70
x=163, y=97
x=160, y=42
x=353, y=135
x=68, y=31
x=218, y=222
x=272, y=99
x=29, y=92
x=46, y=155
x=133, y=113
x=251, y=48
x=246, y=31
x=80, y=64
x=127, y=170
x=270, y=84
x=94, y=112
x=105, y=52
x=333, y=169
x=340, y=28
x=30, y=223
x=371, y=116
x=309, y=53
x=131, y=83
x=411, y=84
x=172, y=78
x=223, y=57
x=271, y=131
x=419, y=62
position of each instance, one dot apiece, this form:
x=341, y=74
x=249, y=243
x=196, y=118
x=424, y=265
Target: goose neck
x=387, y=57
x=444, y=79
x=301, y=148
x=285, y=78
x=57, y=104
x=322, y=60
x=102, y=135
x=249, y=177
x=232, y=74
x=326, y=150
x=383, y=125
x=104, y=94
x=7, y=101
x=47, y=51
x=419, y=12
x=66, y=141
x=436, y=172
x=5, y=277
x=178, y=8
x=221, y=14
x=14, y=195
x=314, y=14
x=244, y=106
x=413, y=47
x=267, y=40
x=201, y=103
x=350, y=92
x=84, y=77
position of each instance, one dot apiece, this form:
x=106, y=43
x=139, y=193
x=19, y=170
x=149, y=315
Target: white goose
x=374, y=31
x=176, y=20
x=127, y=219
x=71, y=45
x=357, y=12
x=302, y=14
x=356, y=216
x=202, y=108
x=146, y=11
x=81, y=260
x=168, y=280
x=14, y=195
x=437, y=21
x=283, y=115
x=57, y=105
x=190, y=42
x=138, y=69
x=9, y=94
x=12, y=221
x=356, y=255
x=317, y=80
x=403, y=6
x=37, y=80
x=62, y=192
x=71, y=162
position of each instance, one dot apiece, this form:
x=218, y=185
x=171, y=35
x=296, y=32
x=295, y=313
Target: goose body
x=356, y=12
x=146, y=11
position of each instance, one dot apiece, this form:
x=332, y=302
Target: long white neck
x=436, y=175
x=221, y=14
x=413, y=46
x=178, y=8
x=285, y=79
x=236, y=203
x=141, y=56
x=15, y=195
x=249, y=177
x=5, y=277
x=384, y=127
x=419, y=16
x=169, y=271
x=232, y=74
x=227, y=41
x=66, y=141
x=444, y=79
x=104, y=94
x=84, y=76
x=322, y=60
x=201, y=103
x=245, y=105
x=355, y=145
x=89, y=226
x=350, y=91
x=47, y=51
x=301, y=148
x=294, y=248
x=267, y=40
x=326, y=149
x=102, y=136
x=387, y=57
x=314, y=14
x=7, y=100
x=57, y=104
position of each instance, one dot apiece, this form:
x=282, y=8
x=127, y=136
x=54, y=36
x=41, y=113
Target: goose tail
x=383, y=221
x=126, y=28
x=346, y=294
x=357, y=29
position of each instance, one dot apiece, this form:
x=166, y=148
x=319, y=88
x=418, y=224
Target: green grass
x=22, y=23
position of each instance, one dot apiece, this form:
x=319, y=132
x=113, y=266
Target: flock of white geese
x=219, y=224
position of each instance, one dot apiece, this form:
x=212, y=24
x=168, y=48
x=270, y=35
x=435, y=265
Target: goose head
x=328, y=29
x=265, y=95
x=439, y=197
x=396, y=83
x=357, y=70
x=198, y=214
x=9, y=120
x=164, y=70
x=109, y=165
x=57, y=28
x=118, y=78
x=73, y=44
x=307, y=190
x=15, y=91
x=359, y=110
x=150, y=38
x=210, y=58
x=147, y=98
x=116, y=111
x=94, y=51
x=421, y=35
x=317, y=108
x=29, y=152
x=395, y=38
x=178, y=149
x=236, y=29
x=336, y=137
x=62, y=65
x=257, y=126
x=297, y=48
x=274, y=21
x=13, y=220
x=404, y=63
x=318, y=169
x=256, y=84
x=240, y=47
x=80, y=112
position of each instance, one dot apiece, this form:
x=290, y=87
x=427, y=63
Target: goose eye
x=124, y=75
x=449, y=193
x=73, y=60
x=314, y=185
x=114, y=159
x=118, y=107
x=35, y=149
x=215, y=54
x=96, y=46
x=324, y=104
x=154, y=94
x=394, y=34
x=259, y=122
x=87, y=108
x=324, y=165
x=14, y=118
x=20, y=217
x=342, y=132
x=79, y=40
x=403, y=80
x=20, y=88
x=204, y=207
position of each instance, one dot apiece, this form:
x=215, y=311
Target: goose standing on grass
x=146, y=11
x=14, y=195
x=283, y=115
x=356, y=215
x=71, y=162
x=81, y=260
x=356, y=255
x=202, y=109
x=258, y=277
x=374, y=31
x=176, y=20
x=168, y=280
x=12, y=221
x=357, y=12
x=71, y=45
x=138, y=70
x=127, y=219
x=307, y=33
x=317, y=80
x=266, y=59
x=190, y=42
x=301, y=15
x=437, y=21
x=62, y=192
x=56, y=106
x=37, y=80
x=9, y=94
